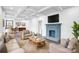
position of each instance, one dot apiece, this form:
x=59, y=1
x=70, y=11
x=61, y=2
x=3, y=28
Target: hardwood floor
x=29, y=47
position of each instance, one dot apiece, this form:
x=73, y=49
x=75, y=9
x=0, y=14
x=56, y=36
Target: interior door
x=40, y=27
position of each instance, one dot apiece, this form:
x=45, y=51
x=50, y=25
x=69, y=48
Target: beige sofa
x=65, y=46
x=1, y=45
x=1, y=40
x=9, y=34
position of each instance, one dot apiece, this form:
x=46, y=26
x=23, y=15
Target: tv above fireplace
x=53, y=18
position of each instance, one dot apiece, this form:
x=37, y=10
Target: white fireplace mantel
x=53, y=23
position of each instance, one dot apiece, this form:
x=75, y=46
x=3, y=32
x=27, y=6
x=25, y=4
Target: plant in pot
x=75, y=28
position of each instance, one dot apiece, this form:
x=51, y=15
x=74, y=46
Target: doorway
x=40, y=27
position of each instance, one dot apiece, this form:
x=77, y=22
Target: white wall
x=1, y=12
x=43, y=18
x=66, y=18
x=34, y=25
x=1, y=18
x=27, y=22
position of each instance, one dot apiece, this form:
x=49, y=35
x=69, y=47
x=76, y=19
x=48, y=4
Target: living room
x=39, y=29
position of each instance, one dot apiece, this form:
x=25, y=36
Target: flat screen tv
x=53, y=18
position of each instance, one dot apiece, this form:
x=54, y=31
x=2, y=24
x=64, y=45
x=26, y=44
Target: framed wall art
x=9, y=23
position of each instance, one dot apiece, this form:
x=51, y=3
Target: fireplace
x=53, y=31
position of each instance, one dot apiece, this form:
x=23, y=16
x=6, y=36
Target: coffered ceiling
x=26, y=12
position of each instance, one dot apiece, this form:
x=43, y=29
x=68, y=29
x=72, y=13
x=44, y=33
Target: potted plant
x=75, y=28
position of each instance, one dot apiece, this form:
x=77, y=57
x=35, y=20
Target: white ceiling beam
x=42, y=10
x=19, y=11
x=60, y=8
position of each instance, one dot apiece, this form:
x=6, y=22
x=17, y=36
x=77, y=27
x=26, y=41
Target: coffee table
x=38, y=42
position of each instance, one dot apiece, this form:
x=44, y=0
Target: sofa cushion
x=1, y=40
x=1, y=44
x=12, y=35
x=64, y=42
x=6, y=38
x=9, y=36
x=8, y=30
x=1, y=35
x=73, y=44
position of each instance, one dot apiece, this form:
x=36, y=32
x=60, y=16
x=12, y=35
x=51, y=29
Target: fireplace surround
x=53, y=31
